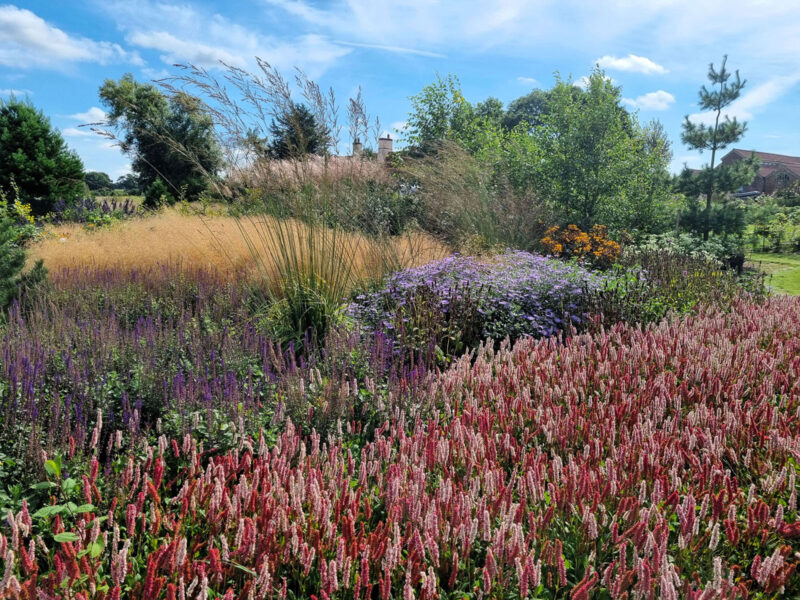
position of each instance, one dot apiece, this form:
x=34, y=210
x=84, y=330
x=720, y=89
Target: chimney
x=357, y=147
x=384, y=147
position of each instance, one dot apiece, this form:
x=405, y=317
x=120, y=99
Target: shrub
x=593, y=247
x=458, y=301
x=648, y=284
x=157, y=194
x=89, y=211
x=725, y=251
x=12, y=265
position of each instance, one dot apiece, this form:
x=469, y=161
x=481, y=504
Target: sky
x=57, y=53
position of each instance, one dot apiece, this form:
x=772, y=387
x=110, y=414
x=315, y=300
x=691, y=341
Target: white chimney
x=358, y=147
x=384, y=147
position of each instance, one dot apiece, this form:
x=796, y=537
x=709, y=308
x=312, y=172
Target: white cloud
x=182, y=50
x=399, y=126
x=93, y=115
x=15, y=92
x=659, y=100
x=528, y=81
x=27, y=40
x=76, y=132
x=185, y=34
x=632, y=63
x=754, y=101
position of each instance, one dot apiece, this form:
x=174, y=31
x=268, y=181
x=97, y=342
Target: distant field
x=783, y=270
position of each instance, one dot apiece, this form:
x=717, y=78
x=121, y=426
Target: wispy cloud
x=754, y=101
x=632, y=63
x=184, y=50
x=659, y=100
x=398, y=49
x=530, y=81
x=15, y=92
x=183, y=33
x=27, y=41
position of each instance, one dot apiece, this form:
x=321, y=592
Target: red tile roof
x=768, y=157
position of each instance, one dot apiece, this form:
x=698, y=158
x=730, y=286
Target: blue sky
x=57, y=53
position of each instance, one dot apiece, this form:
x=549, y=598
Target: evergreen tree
x=724, y=132
x=35, y=159
x=295, y=134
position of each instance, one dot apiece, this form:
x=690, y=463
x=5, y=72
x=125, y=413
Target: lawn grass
x=783, y=270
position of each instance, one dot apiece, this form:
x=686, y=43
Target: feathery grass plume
x=306, y=273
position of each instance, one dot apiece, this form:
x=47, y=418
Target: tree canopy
x=97, y=181
x=170, y=139
x=35, y=159
x=600, y=165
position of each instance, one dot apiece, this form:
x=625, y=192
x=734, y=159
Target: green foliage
x=12, y=264
x=529, y=109
x=599, y=165
x=35, y=158
x=700, y=136
x=439, y=112
x=98, y=182
x=157, y=194
x=651, y=282
x=479, y=201
x=128, y=184
x=169, y=139
x=295, y=133
x=718, y=250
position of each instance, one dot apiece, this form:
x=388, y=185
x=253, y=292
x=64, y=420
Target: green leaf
x=52, y=468
x=66, y=536
x=49, y=511
x=43, y=485
x=84, y=508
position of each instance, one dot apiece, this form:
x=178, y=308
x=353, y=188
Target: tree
x=699, y=136
x=588, y=142
x=34, y=158
x=129, y=183
x=438, y=112
x=170, y=139
x=97, y=181
x=529, y=108
x=294, y=134
x=490, y=110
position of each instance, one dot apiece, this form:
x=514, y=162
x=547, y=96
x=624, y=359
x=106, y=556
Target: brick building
x=776, y=171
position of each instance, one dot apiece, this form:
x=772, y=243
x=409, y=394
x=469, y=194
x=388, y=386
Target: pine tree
x=724, y=132
x=295, y=134
x=34, y=159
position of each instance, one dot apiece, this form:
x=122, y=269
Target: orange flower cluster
x=593, y=246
